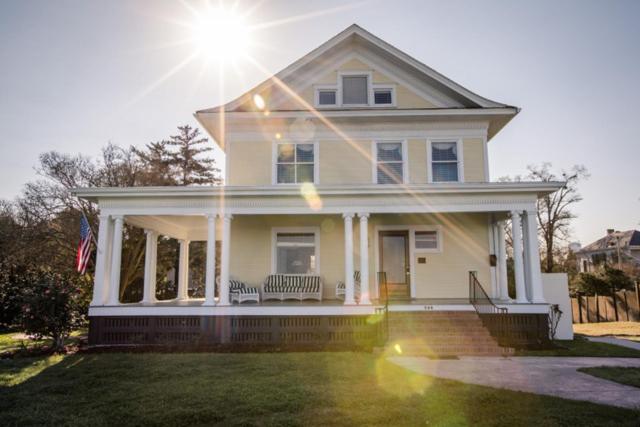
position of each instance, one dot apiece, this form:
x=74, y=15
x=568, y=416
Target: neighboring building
x=620, y=249
x=356, y=159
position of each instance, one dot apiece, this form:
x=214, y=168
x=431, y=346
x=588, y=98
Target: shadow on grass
x=266, y=389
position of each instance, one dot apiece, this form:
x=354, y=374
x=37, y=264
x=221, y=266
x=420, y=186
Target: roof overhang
x=539, y=189
x=220, y=124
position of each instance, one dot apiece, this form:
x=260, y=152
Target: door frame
x=405, y=234
x=411, y=229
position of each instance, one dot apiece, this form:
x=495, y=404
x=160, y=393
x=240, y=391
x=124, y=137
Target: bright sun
x=221, y=34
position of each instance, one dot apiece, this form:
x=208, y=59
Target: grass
x=12, y=341
x=581, y=347
x=624, y=330
x=622, y=375
x=266, y=389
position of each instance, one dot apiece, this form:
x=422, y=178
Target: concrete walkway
x=616, y=341
x=553, y=376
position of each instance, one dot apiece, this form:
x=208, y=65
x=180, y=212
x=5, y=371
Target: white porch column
x=210, y=274
x=364, y=258
x=225, y=257
x=532, y=247
x=150, y=267
x=503, y=281
x=102, y=259
x=526, y=260
x=518, y=266
x=116, y=257
x=183, y=270
x=493, y=247
x=349, y=297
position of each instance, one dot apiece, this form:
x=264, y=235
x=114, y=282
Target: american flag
x=84, y=247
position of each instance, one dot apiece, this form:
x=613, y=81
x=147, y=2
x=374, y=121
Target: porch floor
x=196, y=302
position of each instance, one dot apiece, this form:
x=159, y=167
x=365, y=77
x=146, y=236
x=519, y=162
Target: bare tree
x=554, y=210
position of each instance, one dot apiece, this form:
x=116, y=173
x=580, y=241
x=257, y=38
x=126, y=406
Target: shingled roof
x=626, y=238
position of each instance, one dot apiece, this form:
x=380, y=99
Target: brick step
x=444, y=338
x=450, y=331
x=457, y=351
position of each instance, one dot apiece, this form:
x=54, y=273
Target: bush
x=51, y=308
x=603, y=282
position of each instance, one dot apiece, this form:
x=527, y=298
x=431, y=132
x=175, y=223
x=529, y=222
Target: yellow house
x=357, y=183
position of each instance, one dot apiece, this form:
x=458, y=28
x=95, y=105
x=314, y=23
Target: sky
x=76, y=75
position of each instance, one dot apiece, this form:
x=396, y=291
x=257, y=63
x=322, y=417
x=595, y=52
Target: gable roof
x=627, y=238
x=356, y=35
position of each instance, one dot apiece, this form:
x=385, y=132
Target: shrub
x=603, y=282
x=51, y=308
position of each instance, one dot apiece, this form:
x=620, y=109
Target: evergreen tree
x=189, y=166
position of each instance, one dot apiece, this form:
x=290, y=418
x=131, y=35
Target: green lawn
x=265, y=389
x=628, y=376
x=580, y=346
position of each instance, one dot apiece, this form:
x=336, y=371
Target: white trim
x=232, y=310
x=317, y=88
x=274, y=162
x=355, y=73
x=213, y=191
x=374, y=159
x=459, y=149
x=384, y=87
x=358, y=132
x=418, y=112
x=276, y=230
x=439, y=244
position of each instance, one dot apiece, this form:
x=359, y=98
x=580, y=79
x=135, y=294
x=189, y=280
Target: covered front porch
x=426, y=239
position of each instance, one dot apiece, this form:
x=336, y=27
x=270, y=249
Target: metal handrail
x=480, y=300
x=382, y=279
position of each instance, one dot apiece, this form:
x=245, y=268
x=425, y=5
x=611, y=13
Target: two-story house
x=355, y=176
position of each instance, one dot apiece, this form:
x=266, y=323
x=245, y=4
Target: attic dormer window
x=355, y=90
x=327, y=97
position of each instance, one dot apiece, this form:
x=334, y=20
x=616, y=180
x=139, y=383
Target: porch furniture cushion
x=341, y=287
x=292, y=286
x=243, y=294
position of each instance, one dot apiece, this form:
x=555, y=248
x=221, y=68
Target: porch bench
x=292, y=286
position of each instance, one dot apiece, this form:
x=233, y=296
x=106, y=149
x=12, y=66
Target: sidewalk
x=553, y=376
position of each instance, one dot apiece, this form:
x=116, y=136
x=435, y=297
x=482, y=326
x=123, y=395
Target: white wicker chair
x=341, y=287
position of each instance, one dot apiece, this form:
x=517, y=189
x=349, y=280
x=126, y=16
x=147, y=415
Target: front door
x=394, y=261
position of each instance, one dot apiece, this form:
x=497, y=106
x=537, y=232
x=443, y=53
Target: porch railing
x=479, y=298
x=384, y=310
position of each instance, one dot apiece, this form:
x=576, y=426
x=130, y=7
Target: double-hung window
x=389, y=163
x=427, y=241
x=445, y=161
x=355, y=90
x=295, y=163
x=295, y=252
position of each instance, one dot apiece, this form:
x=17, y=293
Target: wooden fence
x=624, y=307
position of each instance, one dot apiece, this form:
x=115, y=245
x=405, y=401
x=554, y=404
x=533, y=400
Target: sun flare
x=221, y=34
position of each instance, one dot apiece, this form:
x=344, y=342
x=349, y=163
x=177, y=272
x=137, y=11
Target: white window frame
x=319, y=88
x=274, y=242
x=459, y=147
x=374, y=159
x=355, y=73
x=274, y=162
x=438, y=231
x=385, y=87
